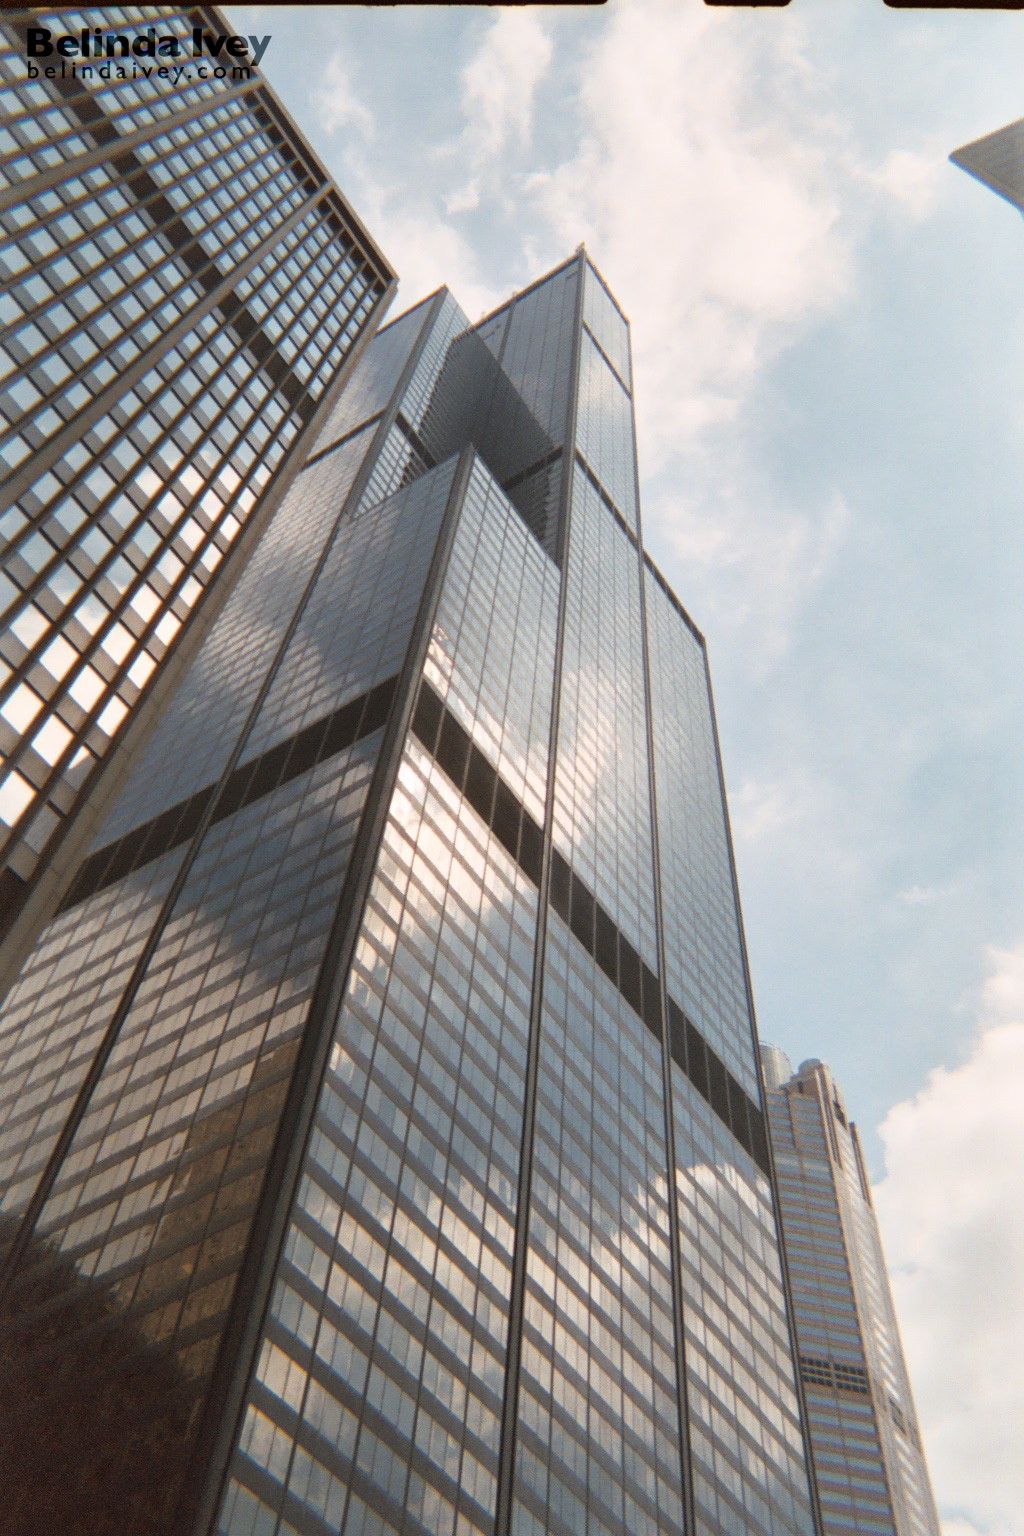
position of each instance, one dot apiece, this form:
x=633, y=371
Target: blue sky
x=829, y=335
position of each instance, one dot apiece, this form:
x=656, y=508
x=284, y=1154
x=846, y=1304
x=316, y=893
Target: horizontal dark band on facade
x=676, y=604
x=513, y=826
x=500, y=809
x=612, y=508
x=839, y=1375
x=496, y=805
x=608, y=360
x=414, y=440
x=531, y=469
x=250, y=782
x=12, y=892
x=339, y=442
x=714, y=1082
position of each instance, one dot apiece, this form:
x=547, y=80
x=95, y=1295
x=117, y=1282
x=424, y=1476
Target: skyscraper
x=383, y=1146
x=997, y=159
x=867, y=1453
x=182, y=286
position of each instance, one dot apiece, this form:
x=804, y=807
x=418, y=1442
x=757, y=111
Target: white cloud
x=499, y=82
x=911, y=179
x=952, y=1219
x=759, y=810
x=428, y=253
x=338, y=105
x=754, y=560
x=715, y=224
x=411, y=215
x=921, y=895
x=705, y=186
x=498, y=88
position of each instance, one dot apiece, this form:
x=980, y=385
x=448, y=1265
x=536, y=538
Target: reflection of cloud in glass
x=87, y=1405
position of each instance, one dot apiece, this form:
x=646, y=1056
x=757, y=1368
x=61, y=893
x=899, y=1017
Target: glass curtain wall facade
x=867, y=1453
x=182, y=285
x=389, y=1081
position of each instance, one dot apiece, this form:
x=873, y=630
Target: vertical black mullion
x=513, y=1353
x=675, y=1243
x=232, y=1372
x=772, y=1177
x=78, y=1109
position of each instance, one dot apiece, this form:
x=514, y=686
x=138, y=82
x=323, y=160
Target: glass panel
x=607, y=323
x=602, y=801
x=746, y=1441
x=598, y=1443
x=380, y=1378
x=604, y=431
x=704, y=969
x=125, y=1288
x=492, y=650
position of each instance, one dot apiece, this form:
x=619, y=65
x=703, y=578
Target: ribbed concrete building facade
x=867, y=1453
x=384, y=1147
x=182, y=287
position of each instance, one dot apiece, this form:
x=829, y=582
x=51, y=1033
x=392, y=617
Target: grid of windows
x=703, y=948
x=197, y=731
x=602, y=818
x=607, y=325
x=57, y=1014
x=604, y=434
x=181, y=287
x=369, y=391
x=868, y=1463
x=342, y=645
x=598, y=1445
x=379, y=1398
x=155, y=1194
x=325, y=510
x=45, y=133
x=536, y=348
x=741, y=1391
x=376, y=1401
x=491, y=656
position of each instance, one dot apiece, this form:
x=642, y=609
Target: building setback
x=383, y=1140
x=866, y=1447
x=183, y=285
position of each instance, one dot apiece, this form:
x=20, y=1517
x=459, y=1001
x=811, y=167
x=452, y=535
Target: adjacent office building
x=182, y=287
x=866, y=1447
x=383, y=1139
x=997, y=159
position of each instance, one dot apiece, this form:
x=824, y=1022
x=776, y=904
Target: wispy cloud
x=497, y=98
x=715, y=225
x=953, y=1223
x=499, y=82
x=911, y=179
x=337, y=103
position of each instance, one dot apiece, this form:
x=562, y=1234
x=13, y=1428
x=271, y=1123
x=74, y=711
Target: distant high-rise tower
x=383, y=1139
x=183, y=285
x=998, y=161
x=867, y=1453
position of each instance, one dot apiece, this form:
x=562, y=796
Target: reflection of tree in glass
x=94, y=1419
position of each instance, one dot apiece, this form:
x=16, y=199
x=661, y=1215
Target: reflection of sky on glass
x=604, y=430
x=491, y=655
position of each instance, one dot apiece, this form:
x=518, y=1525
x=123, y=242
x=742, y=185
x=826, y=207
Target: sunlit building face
x=389, y=1072
x=181, y=286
